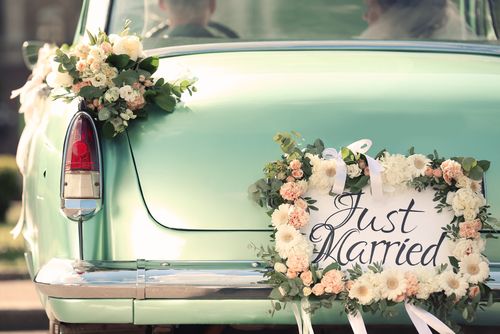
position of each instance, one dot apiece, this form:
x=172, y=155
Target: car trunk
x=195, y=165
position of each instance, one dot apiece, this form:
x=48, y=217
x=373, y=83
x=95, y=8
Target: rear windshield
x=181, y=22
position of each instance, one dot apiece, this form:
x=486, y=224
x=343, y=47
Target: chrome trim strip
x=352, y=45
x=151, y=280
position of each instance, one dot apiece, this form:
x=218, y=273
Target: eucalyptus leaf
x=91, y=92
x=476, y=173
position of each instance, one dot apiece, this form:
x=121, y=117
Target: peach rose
x=290, y=179
x=437, y=173
x=291, y=274
x=297, y=263
x=333, y=281
x=300, y=203
x=297, y=173
x=295, y=164
x=307, y=278
x=429, y=171
x=318, y=289
x=451, y=170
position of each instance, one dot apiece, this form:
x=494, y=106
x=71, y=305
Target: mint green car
x=165, y=229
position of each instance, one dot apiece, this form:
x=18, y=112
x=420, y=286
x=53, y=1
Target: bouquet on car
x=113, y=77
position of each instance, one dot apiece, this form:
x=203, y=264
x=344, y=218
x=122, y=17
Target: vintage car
x=161, y=221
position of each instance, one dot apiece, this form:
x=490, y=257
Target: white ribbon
x=357, y=323
x=341, y=169
x=422, y=320
x=302, y=317
x=359, y=147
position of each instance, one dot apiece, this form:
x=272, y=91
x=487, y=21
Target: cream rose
x=128, y=45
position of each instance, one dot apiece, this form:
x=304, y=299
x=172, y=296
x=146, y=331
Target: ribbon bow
x=359, y=147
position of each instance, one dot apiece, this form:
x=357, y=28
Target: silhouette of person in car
x=189, y=18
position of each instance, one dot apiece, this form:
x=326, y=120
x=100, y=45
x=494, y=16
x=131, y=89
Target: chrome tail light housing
x=81, y=172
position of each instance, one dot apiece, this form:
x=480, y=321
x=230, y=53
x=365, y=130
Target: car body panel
x=219, y=147
x=144, y=312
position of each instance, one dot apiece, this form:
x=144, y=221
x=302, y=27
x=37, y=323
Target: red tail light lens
x=82, y=153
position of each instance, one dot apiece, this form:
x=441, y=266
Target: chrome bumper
x=152, y=280
x=164, y=280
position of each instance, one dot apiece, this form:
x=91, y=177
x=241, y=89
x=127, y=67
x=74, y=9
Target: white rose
x=353, y=171
x=112, y=94
x=99, y=80
x=127, y=93
x=466, y=200
x=129, y=45
x=463, y=182
x=464, y=247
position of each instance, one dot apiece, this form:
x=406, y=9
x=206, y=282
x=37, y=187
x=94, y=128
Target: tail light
x=81, y=178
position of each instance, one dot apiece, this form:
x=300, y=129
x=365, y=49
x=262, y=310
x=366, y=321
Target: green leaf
x=165, y=102
x=484, y=164
x=108, y=130
x=453, y=261
x=104, y=114
x=91, y=92
x=92, y=38
x=159, y=82
x=468, y=164
x=118, y=61
x=150, y=64
x=128, y=77
x=275, y=294
x=476, y=173
x=331, y=266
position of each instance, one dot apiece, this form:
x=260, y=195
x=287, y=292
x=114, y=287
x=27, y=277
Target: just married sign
x=402, y=230
x=372, y=232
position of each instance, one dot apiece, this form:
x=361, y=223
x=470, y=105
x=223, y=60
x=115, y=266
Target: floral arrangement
x=457, y=182
x=113, y=77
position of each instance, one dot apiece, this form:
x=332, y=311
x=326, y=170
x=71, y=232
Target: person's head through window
x=188, y=18
x=410, y=19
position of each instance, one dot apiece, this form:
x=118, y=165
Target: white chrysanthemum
x=366, y=288
x=464, y=247
x=397, y=171
x=393, y=284
x=112, y=94
x=362, y=290
x=323, y=174
x=418, y=164
x=287, y=238
x=428, y=282
x=129, y=45
x=466, y=200
x=353, y=171
x=474, y=268
x=280, y=215
x=453, y=283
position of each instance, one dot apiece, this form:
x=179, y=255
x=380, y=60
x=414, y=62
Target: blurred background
x=21, y=20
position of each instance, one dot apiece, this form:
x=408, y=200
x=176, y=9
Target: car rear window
x=182, y=22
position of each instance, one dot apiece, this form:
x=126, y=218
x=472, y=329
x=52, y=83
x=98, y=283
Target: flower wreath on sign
x=111, y=75
x=429, y=293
